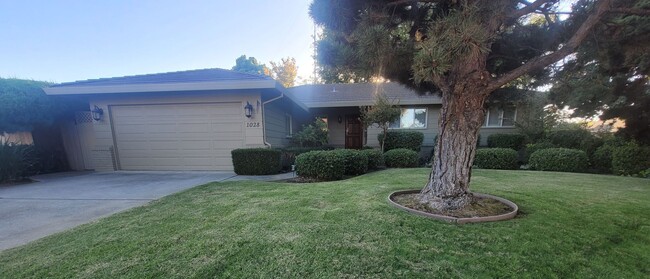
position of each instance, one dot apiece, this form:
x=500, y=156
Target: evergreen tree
x=465, y=50
x=250, y=65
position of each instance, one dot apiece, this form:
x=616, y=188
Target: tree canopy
x=285, y=71
x=609, y=74
x=24, y=105
x=465, y=50
x=250, y=65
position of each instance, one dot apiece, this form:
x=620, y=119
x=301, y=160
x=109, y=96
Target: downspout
x=264, y=118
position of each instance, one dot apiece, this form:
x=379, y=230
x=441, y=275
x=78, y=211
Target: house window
x=288, y=125
x=501, y=117
x=411, y=118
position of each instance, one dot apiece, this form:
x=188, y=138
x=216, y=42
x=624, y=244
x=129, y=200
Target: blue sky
x=68, y=40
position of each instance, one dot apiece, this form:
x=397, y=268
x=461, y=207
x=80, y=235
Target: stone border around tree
x=502, y=217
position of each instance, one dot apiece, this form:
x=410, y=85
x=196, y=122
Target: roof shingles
x=358, y=94
x=202, y=75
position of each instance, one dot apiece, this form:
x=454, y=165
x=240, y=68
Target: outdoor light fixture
x=248, y=109
x=340, y=120
x=97, y=113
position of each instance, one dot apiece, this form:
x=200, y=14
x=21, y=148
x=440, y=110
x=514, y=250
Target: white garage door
x=177, y=136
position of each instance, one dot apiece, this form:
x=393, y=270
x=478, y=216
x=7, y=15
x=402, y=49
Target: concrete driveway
x=62, y=201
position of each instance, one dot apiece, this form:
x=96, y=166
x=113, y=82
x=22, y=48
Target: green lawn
x=571, y=225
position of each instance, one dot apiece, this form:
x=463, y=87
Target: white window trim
x=426, y=119
x=290, y=124
x=501, y=111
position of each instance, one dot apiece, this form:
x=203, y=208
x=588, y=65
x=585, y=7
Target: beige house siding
x=105, y=153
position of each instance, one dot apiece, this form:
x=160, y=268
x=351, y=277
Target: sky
x=66, y=40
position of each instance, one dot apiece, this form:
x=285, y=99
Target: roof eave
x=162, y=87
x=368, y=103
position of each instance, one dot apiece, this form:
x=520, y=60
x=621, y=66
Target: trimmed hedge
x=532, y=147
x=289, y=154
x=375, y=158
x=355, y=162
x=630, y=159
x=512, y=141
x=321, y=165
x=402, y=139
x=559, y=159
x=256, y=161
x=496, y=158
x=401, y=158
x=569, y=138
x=17, y=161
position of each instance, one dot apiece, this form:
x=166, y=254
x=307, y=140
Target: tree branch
x=529, y=8
x=602, y=7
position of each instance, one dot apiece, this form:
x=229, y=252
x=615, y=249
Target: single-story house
x=339, y=104
x=191, y=120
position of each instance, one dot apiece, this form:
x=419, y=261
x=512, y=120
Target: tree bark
x=461, y=117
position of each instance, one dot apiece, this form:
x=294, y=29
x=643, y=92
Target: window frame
x=501, y=112
x=426, y=119
x=288, y=118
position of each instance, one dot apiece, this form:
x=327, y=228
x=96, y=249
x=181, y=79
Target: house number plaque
x=252, y=124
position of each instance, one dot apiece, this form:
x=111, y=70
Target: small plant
x=256, y=161
x=512, y=141
x=382, y=113
x=401, y=158
x=559, y=159
x=375, y=158
x=355, y=161
x=401, y=139
x=496, y=158
x=314, y=134
x=321, y=165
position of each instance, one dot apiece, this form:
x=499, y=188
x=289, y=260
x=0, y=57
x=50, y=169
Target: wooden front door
x=353, y=132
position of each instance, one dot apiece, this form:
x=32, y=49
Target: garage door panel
x=177, y=136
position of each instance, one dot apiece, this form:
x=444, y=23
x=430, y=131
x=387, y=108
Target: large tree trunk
x=461, y=117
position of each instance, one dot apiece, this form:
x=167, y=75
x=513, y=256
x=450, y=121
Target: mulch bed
x=480, y=207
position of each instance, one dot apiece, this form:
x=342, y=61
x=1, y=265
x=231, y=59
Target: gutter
x=264, y=117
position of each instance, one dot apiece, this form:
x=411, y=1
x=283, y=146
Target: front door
x=353, y=132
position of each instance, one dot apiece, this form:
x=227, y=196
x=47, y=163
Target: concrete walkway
x=65, y=200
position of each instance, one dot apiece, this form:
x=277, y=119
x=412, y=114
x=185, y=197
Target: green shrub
x=256, y=161
x=496, y=158
x=401, y=158
x=512, y=141
x=630, y=159
x=559, y=159
x=601, y=160
x=402, y=139
x=375, y=158
x=355, y=162
x=573, y=138
x=532, y=147
x=289, y=154
x=321, y=165
x=313, y=134
x=16, y=161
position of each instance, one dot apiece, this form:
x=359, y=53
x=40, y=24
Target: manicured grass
x=572, y=225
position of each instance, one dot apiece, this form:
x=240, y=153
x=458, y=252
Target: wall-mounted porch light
x=340, y=119
x=248, y=109
x=97, y=113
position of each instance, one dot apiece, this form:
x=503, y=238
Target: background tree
x=609, y=74
x=381, y=113
x=250, y=65
x=24, y=105
x=285, y=71
x=466, y=50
